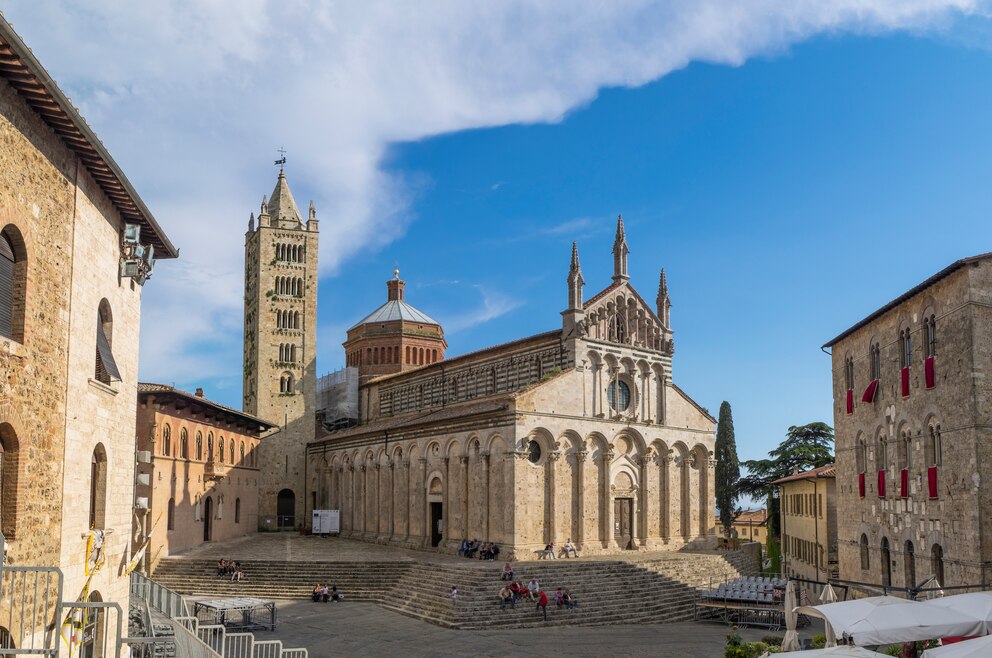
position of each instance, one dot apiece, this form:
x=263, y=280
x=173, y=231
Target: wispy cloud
x=193, y=96
x=492, y=305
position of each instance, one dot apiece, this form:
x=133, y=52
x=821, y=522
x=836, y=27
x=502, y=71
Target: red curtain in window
x=904, y=483
x=850, y=400
x=905, y=382
x=861, y=484
x=881, y=484
x=869, y=395
x=932, y=481
x=930, y=374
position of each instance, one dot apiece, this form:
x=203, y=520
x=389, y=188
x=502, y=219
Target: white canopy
x=833, y=652
x=888, y=620
x=973, y=604
x=978, y=648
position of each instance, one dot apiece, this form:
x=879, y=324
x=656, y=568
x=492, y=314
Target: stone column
x=405, y=487
x=419, y=494
x=646, y=379
x=485, y=489
x=377, y=512
x=643, y=496
x=446, y=509
x=597, y=384
x=464, y=462
x=392, y=500
x=551, y=530
x=607, y=510
x=580, y=468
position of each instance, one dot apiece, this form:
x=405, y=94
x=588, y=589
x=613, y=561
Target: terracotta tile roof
x=451, y=412
x=827, y=471
x=950, y=269
x=148, y=388
x=759, y=516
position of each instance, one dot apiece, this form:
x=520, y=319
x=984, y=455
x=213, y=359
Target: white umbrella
x=832, y=652
x=791, y=640
x=888, y=620
x=828, y=595
x=979, y=648
x=973, y=604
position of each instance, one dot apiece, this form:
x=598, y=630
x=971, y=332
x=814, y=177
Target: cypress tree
x=728, y=470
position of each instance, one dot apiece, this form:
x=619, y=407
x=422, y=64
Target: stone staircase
x=609, y=592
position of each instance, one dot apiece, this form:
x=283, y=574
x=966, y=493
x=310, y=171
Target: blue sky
x=793, y=166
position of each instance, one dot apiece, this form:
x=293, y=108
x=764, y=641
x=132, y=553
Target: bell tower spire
x=620, y=252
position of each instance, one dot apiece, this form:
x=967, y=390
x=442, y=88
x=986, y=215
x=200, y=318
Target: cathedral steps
x=653, y=590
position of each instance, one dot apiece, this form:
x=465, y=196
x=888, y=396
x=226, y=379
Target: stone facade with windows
x=912, y=389
x=204, y=470
x=578, y=433
x=280, y=346
x=69, y=324
x=808, y=524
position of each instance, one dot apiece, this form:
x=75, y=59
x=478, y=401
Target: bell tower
x=280, y=347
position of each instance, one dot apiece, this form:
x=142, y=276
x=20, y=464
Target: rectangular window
x=821, y=505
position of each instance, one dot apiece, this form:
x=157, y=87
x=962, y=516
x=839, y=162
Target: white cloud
x=494, y=304
x=193, y=96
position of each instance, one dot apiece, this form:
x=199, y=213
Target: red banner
x=869, y=395
x=905, y=382
x=881, y=484
x=932, y=481
x=928, y=369
x=850, y=400
x=904, y=483
x=861, y=484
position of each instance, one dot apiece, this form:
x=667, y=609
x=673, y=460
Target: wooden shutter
x=6, y=288
x=105, y=358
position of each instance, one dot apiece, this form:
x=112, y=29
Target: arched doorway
x=886, y=565
x=286, y=509
x=623, y=511
x=435, y=496
x=910, y=564
x=208, y=513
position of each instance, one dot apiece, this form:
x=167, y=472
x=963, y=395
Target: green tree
x=805, y=447
x=728, y=468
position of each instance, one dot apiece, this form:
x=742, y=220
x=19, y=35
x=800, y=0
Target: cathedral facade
x=576, y=433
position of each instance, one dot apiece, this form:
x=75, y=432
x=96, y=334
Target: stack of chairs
x=746, y=589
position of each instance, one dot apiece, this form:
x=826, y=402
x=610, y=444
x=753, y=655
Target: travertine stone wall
x=957, y=408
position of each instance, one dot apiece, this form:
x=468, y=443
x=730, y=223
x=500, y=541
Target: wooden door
x=437, y=523
x=623, y=522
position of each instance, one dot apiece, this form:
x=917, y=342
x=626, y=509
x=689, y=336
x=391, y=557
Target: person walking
x=542, y=604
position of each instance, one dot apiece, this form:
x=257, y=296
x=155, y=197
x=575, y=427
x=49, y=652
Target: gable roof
x=828, y=471
x=693, y=402
x=633, y=291
x=950, y=269
x=31, y=81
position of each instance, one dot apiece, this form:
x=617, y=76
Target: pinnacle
x=621, y=235
x=575, y=257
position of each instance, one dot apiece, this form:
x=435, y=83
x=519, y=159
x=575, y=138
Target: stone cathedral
x=280, y=346
x=578, y=432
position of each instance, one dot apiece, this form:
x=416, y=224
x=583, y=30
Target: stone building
x=578, y=433
x=913, y=422
x=280, y=345
x=749, y=525
x=203, y=472
x=76, y=245
x=808, y=523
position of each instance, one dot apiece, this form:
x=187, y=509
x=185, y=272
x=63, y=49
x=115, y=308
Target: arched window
x=166, y=440
x=875, y=361
x=861, y=455
x=934, y=448
x=937, y=563
x=287, y=383
x=905, y=450
x=907, y=348
x=13, y=276
x=910, y=564
x=210, y=446
x=230, y=451
x=106, y=367
x=882, y=460
x=251, y=456
x=930, y=335
x=9, y=460
x=408, y=354
x=433, y=356
x=849, y=373
x=199, y=446
x=865, y=562
x=237, y=510
x=299, y=287
x=98, y=488
x=172, y=514
x=184, y=443
x=886, y=563
x=242, y=460
x=220, y=447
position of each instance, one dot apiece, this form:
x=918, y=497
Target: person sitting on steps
x=335, y=594
x=315, y=596
x=507, y=572
x=463, y=548
x=569, y=600
x=506, y=596
x=549, y=551
x=533, y=588
x=559, y=598
x=569, y=548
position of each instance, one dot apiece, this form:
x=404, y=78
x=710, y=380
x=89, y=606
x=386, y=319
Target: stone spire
x=664, y=301
x=620, y=252
x=251, y=222
x=575, y=280
x=282, y=205
x=313, y=211
x=263, y=212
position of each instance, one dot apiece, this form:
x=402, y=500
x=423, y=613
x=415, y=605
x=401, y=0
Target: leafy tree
x=805, y=447
x=728, y=469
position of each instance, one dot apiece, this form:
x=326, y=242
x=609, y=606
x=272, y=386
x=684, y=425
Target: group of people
x=230, y=568
x=569, y=547
x=487, y=550
x=323, y=594
x=515, y=590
